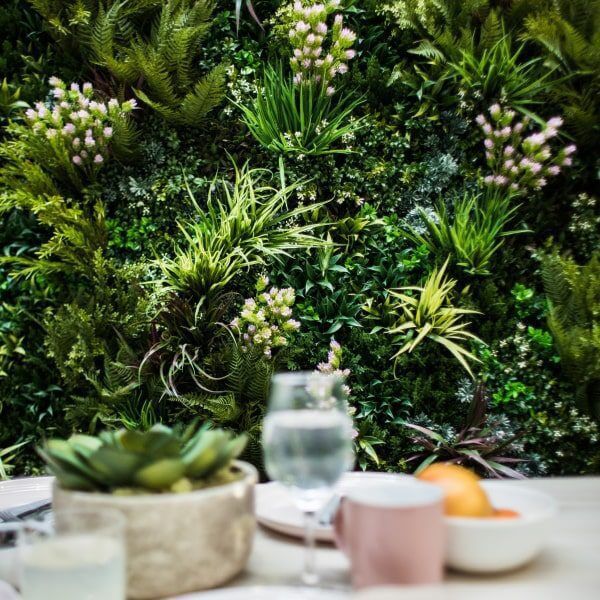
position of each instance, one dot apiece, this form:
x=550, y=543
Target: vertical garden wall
x=196, y=194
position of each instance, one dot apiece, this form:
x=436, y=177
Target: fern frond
x=206, y=95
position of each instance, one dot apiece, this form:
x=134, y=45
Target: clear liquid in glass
x=308, y=451
x=74, y=567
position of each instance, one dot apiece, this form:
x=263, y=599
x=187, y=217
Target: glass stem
x=309, y=575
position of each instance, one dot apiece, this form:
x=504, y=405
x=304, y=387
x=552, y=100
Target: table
x=568, y=569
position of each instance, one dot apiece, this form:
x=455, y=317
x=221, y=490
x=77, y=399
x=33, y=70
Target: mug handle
x=338, y=527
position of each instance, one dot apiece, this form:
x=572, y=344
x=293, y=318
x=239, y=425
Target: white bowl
x=479, y=545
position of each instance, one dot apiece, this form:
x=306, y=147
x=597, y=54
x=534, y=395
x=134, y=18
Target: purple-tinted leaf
x=507, y=471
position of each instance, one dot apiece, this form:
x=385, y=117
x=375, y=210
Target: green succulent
x=157, y=460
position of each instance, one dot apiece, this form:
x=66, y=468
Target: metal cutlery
x=19, y=512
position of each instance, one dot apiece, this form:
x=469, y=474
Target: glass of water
x=76, y=555
x=307, y=441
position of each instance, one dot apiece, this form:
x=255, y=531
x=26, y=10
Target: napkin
x=7, y=592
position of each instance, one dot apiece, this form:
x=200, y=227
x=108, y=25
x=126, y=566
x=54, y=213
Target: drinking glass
x=307, y=441
x=74, y=555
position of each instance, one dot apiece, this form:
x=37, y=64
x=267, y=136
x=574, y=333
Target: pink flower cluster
x=77, y=123
x=520, y=163
x=333, y=364
x=266, y=320
x=308, y=35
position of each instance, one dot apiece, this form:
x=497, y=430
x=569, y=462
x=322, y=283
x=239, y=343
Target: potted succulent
x=188, y=504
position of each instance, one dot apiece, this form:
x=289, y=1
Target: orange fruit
x=505, y=513
x=463, y=496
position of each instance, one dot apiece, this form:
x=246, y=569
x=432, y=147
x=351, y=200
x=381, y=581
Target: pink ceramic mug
x=393, y=532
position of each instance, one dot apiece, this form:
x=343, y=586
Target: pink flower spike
x=330, y=91
x=570, y=149
x=77, y=160
x=98, y=159
x=495, y=110
x=554, y=170
x=489, y=144
x=480, y=120
x=555, y=123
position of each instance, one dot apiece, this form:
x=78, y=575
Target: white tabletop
x=568, y=568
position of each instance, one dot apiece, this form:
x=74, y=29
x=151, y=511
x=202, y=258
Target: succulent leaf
x=160, y=475
x=153, y=460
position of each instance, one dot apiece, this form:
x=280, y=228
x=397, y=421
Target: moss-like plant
x=159, y=460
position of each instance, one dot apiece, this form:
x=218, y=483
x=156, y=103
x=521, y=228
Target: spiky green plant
x=500, y=74
x=428, y=314
x=247, y=223
x=573, y=293
x=7, y=455
x=158, y=460
x=10, y=102
x=472, y=236
x=299, y=119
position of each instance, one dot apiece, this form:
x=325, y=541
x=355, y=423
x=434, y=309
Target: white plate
x=15, y=492
x=275, y=508
x=267, y=593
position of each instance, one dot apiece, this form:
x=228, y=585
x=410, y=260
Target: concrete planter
x=179, y=543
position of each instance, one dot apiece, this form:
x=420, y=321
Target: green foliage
x=499, y=74
x=158, y=460
x=573, y=293
x=568, y=34
x=248, y=223
x=10, y=102
x=429, y=315
x=7, y=455
x=93, y=333
x=287, y=118
x=146, y=43
x=474, y=234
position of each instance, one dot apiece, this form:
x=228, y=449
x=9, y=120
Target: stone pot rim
x=250, y=477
